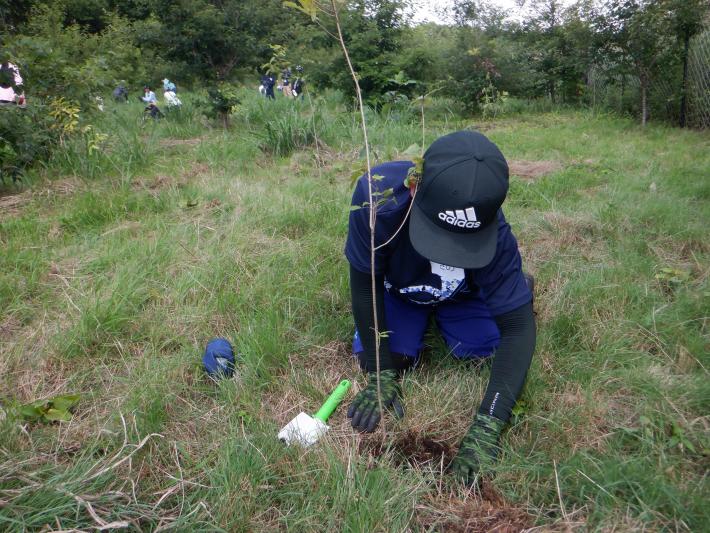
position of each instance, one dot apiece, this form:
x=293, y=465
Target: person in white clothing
x=11, y=84
x=149, y=96
x=171, y=99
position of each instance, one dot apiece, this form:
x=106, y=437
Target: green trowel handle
x=331, y=404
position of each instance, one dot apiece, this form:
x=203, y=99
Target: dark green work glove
x=478, y=451
x=365, y=410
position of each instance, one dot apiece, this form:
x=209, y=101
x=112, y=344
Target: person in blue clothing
x=120, y=93
x=443, y=248
x=169, y=86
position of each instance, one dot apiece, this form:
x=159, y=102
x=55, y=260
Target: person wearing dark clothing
x=120, y=93
x=153, y=111
x=299, y=83
x=442, y=248
x=298, y=87
x=268, y=81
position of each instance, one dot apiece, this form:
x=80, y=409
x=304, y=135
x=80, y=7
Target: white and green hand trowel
x=306, y=430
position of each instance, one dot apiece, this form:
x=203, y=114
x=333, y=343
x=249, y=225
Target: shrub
x=26, y=136
x=220, y=103
x=58, y=60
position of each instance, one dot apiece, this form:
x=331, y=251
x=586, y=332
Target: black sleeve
x=511, y=361
x=361, y=292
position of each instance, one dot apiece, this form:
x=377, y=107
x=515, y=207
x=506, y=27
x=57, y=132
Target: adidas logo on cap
x=461, y=218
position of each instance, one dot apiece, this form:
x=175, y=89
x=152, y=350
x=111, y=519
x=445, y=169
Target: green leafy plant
x=672, y=277
x=66, y=117
x=278, y=60
x=221, y=102
x=492, y=100
x=399, y=98
x=26, y=137
x=55, y=409
x=414, y=174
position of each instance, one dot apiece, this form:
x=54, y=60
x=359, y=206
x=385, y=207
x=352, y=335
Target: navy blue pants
x=467, y=328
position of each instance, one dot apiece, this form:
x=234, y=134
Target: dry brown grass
x=480, y=511
x=196, y=170
x=321, y=369
x=684, y=254
x=160, y=182
x=169, y=143
x=8, y=327
x=26, y=360
x=13, y=205
x=532, y=170
x=558, y=234
x=594, y=411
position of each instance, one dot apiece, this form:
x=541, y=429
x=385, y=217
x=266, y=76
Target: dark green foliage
x=89, y=14
x=59, y=60
x=204, y=39
x=221, y=101
x=12, y=13
x=374, y=32
x=25, y=137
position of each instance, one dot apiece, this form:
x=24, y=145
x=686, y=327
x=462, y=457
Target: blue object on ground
x=219, y=358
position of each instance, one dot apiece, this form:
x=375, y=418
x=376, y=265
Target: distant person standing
x=269, y=82
x=299, y=83
x=120, y=93
x=286, y=81
x=10, y=84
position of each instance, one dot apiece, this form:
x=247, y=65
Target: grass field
x=118, y=265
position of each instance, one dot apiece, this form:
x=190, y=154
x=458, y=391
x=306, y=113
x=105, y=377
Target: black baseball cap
x=454, y=217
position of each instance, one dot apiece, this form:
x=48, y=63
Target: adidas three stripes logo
x=461, y=218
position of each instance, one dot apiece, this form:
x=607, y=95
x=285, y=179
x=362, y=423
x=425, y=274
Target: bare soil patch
x=485, y=512
x=409, y=448
x=532, y=170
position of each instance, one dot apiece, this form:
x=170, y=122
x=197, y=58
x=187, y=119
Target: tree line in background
x=551, y=51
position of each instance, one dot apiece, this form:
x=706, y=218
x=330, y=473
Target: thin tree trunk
x=644, y=103
x=372, y=207
x=684, y=90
